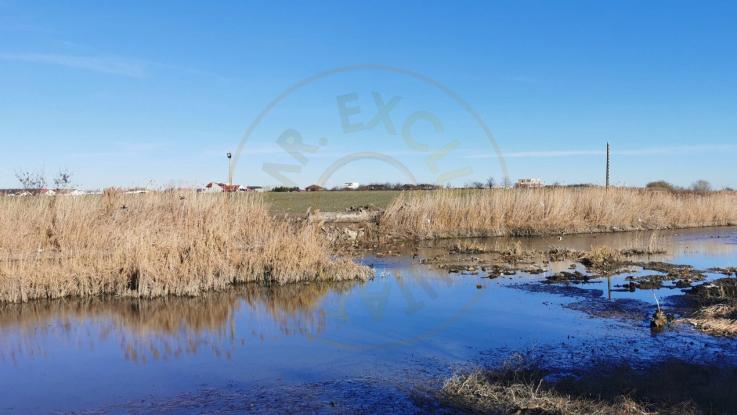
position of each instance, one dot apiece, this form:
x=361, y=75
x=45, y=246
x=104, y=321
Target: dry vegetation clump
x=468, y=248
x=717, y=319
x=602, y=258
x=523, y=386
x=517, y=212
x=153, y=245
x=482, y=392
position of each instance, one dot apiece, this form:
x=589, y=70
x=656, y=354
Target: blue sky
x=155, y=93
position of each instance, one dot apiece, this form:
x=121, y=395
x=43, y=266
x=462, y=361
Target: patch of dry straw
x=719, y=319
x=550, y=211
x=154, y=245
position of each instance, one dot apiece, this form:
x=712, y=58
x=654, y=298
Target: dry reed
x=153, y=245
x=480, y=393
x=518, y=212
x=719, y=319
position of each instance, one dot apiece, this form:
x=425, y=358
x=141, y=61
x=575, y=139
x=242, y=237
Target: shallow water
x=383, y=345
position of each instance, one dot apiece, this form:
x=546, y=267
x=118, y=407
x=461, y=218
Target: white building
x=529, y=183
x=351, y=186
x=213, y=187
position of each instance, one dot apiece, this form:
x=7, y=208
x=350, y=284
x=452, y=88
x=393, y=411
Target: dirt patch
x=723, y=289
x=626, y=309
x=575, y=277
x=673, y=271
x=496, y=271
x=562, y=290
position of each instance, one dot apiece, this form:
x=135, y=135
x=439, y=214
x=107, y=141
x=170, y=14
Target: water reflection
x=295, y=308
x=166, y=327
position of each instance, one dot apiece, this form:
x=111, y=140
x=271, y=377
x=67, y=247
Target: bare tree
x=701, y=186
x=63, y=180
x=31, y=181
x=490, y=182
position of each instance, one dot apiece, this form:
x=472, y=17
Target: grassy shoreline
x=184, y=244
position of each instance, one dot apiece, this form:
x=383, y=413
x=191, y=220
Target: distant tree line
x=36, y=181
x=699, y=186
x=285, y=189
x=398, y=186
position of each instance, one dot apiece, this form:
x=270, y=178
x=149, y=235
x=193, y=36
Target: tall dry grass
x=480, y=393
x=517, y=212
x=153, y=245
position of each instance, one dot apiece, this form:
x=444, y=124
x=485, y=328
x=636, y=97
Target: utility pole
x=607, y=165
x=230, y=170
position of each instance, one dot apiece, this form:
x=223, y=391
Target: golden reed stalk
x=153, y=245
x=550, y=211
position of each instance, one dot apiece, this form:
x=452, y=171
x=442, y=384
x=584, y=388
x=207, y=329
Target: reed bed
x=154, y=245
x=551, y=211
x=481, y=393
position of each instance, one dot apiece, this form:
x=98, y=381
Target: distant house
x=213, y=187
x=529, y=184
x=351, y=186
x=10, y=192
x=45, y=192
x=257, y=189
x=314, y=188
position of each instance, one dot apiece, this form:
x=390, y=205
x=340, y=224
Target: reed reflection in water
x=165, y=328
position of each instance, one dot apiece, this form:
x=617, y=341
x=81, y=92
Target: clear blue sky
x=139, y=93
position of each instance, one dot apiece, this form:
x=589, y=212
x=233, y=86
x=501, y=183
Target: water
x=383, y=345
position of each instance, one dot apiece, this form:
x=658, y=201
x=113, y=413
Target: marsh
x=385, y=344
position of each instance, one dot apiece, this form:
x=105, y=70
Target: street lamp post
x=607, y=165
x=230, y=170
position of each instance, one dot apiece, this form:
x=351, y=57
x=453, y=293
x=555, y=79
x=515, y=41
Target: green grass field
x=298, y=202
